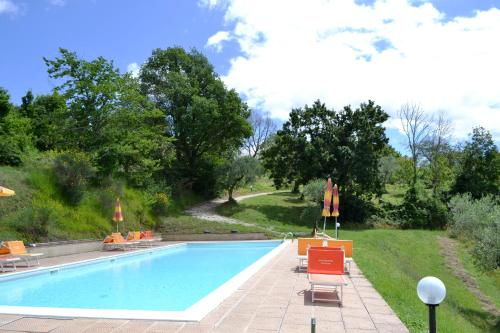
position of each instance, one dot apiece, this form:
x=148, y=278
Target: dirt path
x=449, y=252
x=206, y=210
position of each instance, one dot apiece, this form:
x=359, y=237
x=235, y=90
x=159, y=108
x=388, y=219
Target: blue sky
x=126, y=31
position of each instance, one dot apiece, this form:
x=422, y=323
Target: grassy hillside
x=393, y=260
x=38, y=212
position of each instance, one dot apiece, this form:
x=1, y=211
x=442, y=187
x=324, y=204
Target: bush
x=73, y=172
x=160, y=204
x=33, y=224
x=479, y=221
x=314, y=191
x=421, y=211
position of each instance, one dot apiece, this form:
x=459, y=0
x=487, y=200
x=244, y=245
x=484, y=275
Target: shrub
x=421, y=211
x=72, y=171
x=314, y=191
x=479, y=221
x=160, y=204
x=33, y=224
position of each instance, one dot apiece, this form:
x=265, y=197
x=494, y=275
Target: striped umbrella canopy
x=327, y=202
x=118, y=217
x=335, y=201
x=5, y=192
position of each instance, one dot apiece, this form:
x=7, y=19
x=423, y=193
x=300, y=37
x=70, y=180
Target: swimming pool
x=178, y=282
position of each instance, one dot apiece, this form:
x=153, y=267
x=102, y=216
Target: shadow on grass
x=480, y=318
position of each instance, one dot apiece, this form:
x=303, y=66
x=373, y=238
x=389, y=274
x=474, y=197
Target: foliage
x=15, y=139
x=314, y=191
x=316, y=142
x=72, y=173
x=480, y=166
x=419, y=211
x=206, y=119
x=160, y=204
x=237, y=172
x=479, y=221
x=90, y=90
x=388, y=167
x=135, y=146
x=48, y=115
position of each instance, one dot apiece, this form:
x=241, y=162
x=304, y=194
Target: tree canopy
x=206, y=119
x=317, y=142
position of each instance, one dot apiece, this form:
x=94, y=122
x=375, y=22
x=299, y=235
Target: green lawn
x=184, y=224
x=488, y=282
x=393, y=260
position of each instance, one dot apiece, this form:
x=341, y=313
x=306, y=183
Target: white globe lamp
x=432, y=292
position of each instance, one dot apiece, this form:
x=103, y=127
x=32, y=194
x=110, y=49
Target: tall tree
x=48, y=115
x=90, y=89
x=263, y=127
x=479, y=172
x=15, y=138
x=416, y=128
x=206, y=119
x=316, y=142
x=436, y=150
x=237, y=172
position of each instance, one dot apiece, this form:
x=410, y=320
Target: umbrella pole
x=324, y=225
x=336, y=229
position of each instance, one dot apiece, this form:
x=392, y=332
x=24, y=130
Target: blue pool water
x=170, y=279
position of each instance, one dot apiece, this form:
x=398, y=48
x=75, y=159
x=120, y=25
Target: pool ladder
x=286, y=235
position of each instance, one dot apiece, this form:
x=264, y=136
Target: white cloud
x=8, y=7
x=294, y=52
x=217, y=39
x=133, y=69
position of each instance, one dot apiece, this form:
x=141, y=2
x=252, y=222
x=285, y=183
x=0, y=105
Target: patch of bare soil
x=449, y=252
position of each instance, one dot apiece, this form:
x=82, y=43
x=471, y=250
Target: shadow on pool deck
x=275, y=299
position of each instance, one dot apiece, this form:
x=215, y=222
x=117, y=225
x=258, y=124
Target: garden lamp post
x=432, y=292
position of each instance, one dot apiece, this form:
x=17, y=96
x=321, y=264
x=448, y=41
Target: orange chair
x=17, y=249
x=303, y=245
x=347, y=245
x=134, y=236
x=147, y=235
x=325, y=271
x=116, y=241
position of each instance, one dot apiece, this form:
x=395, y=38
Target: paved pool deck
x=276, y=299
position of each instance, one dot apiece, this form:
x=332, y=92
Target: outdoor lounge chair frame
x=9, y=261
x=328, y=276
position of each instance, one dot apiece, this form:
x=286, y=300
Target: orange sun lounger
x=303, y=245
x=17, y=249
x=325, y=272
x=116, y=241
x=347, y=245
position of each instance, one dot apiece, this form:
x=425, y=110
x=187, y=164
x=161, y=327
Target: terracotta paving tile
x=34, y=325
x=292, y=328
x=5, y=318
x=134, y=326
x=194, y=328
x=75, y=326
x=163, y=327
x=104, y=326
x=265, y=323
x=392, y=328
x=330, y=327
x=358, y=323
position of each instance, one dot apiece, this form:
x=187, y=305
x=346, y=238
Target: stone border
x=214, y=237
